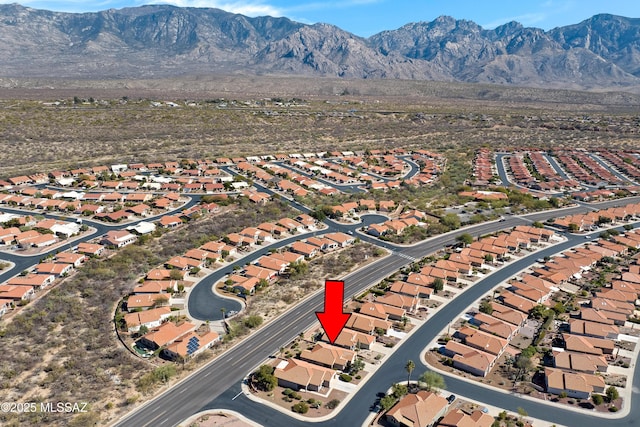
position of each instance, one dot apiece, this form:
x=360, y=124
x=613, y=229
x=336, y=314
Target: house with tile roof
x=422, y=409
x=579, y=386
x=300, y=375
x=367, y=324
x=165, y=334
x=190, y=345
x=329, y=356
x=148, y=318
x=352, y=340
x=458, y=418
x=16, y=292
x=593, y=329
x=579, y=362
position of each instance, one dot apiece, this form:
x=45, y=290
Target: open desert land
x=49, y=124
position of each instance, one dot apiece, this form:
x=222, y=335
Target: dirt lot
x=35, y=136
x=219, y=419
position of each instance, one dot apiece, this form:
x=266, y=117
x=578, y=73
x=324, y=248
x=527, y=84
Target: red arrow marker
x=333, y=318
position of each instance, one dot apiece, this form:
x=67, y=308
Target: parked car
x=451, y=398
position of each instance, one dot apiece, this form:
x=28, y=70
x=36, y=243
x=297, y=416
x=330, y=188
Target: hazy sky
x=367, y=17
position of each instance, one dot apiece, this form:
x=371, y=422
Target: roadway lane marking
x=151, y=422
x=236, y=396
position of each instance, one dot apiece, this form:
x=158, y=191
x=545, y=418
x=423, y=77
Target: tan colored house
x=366, y=324
x=507, y=314
x=593, y=329
x=190, y=345
x=149, y=318
x=353, y=340
x=486, y=342
x=300, y=375
x=329, y=356
x=578, y=386
x=374, y=310
x=165, y=334
x=146, y=301
x=457, y=418
x=36, y=281
x=418, y=410
x=494, y=326
x=400, y=301
x=16, y=292
x=579, y=362
x=588, y=345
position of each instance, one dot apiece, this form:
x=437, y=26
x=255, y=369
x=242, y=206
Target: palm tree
x=410, y=366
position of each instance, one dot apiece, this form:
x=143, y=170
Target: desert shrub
x=346, y=378
x=332, y=404
x=300, y=408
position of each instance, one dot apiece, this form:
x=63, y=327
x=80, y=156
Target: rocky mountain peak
x=161, y=40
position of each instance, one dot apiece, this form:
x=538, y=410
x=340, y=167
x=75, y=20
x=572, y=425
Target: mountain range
x=164, y=41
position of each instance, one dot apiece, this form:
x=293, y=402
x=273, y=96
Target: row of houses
x=370, y=205
x=270, y=267
x=25, y=231
x=586, y=169
x=25, y=287
x=618, y=161
x=591, y=334
x=591, y=220
x=298, y=184
x=483, y=167
x=397, y=226
x=100, y=205
x=160, y=282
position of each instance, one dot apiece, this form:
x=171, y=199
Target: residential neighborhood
x=571, y=314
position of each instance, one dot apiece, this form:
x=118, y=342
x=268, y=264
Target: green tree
x=538, y=311
x=451, y=221
x=432, y=381
x=573, y=227
x=612, y=393
x=524, y=365
x=176, y=275
x=253, y=321
x=332, y=404
x=399, y=390
x=486, y=307
x=356, y=366
x=465, y=238
x=409, y=367
x=264, y=378
x=559, y=308
x=597, y=399
x=438, y=285
x=387, y=402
